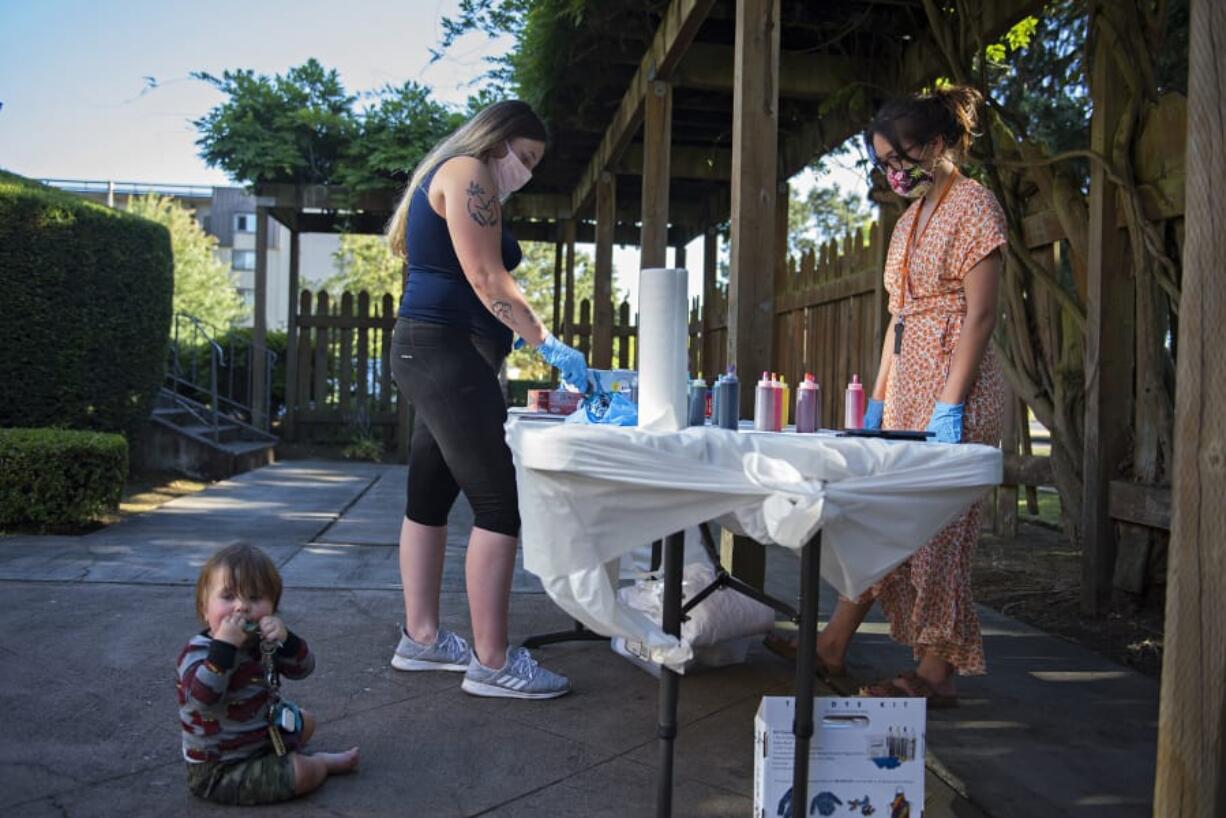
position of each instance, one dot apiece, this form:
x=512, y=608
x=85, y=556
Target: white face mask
x=510, y=173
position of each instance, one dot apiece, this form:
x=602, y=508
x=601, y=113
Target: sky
x=101, y=89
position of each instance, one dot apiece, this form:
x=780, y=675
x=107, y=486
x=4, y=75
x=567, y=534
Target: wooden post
x=568, y=239
x=657, y=142
x=259, y=331
x=291, y=341
x=1109, y=346
x=710, y=262
x=558, y=252
x=751, y=286
x=755, y=136
x=557, y=282
x=1191, y=775
x=602, y=310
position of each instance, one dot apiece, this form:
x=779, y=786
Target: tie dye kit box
x=866, y=757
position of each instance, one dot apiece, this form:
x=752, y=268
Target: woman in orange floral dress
x=938, y=372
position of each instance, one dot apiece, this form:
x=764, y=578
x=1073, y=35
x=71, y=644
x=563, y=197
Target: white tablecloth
x=589, y=494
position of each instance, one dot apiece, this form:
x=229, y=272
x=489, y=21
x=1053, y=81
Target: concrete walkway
x=90, y=626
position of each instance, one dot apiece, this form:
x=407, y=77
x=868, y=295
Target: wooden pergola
x=698, y=128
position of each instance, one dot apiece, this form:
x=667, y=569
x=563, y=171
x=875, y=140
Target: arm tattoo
x=482, y=206
x=502, y=311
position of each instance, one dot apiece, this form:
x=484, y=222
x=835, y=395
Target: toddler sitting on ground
x=228, y=699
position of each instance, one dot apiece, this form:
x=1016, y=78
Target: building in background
x=228, y=213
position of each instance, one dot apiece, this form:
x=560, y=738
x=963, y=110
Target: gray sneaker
x=520, y=678
x=449, y=652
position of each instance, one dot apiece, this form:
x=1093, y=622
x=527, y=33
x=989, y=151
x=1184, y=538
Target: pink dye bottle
x=853, y=405
x=808, y=401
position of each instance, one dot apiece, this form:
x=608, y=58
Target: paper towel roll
x=663, y=338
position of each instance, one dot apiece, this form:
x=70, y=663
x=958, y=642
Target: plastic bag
x=609, y=408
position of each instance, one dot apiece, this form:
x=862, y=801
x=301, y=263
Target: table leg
x=806, y=670
x=666, y=727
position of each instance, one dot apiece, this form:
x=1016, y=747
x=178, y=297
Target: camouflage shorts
x=262, y=779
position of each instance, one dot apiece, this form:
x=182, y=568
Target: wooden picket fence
x=343, y=377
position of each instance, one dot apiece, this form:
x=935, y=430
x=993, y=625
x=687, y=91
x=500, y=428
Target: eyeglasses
x=894, y=163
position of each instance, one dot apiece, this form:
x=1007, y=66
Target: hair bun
x=962, y=102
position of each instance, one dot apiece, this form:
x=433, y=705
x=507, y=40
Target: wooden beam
x=291, y=338
x=1191, y=775
x=708, y=164
x=1026, y=470
x=1108, y=350
x=544, y=206
x=602, y=295
x=1142, y=505
x=327, y=197
x=755, y=129
x=657, y=142
x=708, y=67
x=625, y=234
x=681, y=22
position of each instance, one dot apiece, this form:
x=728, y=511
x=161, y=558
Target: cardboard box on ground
x=866, y=757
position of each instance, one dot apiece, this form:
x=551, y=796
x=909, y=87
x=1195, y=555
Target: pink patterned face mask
x=510, y=173
x=911, y=182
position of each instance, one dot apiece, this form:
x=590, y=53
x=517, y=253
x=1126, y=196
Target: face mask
x=510, y=174
x=911, y=182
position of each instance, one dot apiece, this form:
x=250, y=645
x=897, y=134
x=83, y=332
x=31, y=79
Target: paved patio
x=90, y=626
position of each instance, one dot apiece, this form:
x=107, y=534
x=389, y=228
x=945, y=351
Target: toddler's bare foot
x=340, y=763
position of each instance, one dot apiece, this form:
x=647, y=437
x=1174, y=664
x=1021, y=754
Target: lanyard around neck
x=905, y=269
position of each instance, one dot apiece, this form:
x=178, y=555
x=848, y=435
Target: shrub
x=86, y=310
x=53, y=477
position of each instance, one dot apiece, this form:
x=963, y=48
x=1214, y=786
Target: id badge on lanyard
x=905, y=272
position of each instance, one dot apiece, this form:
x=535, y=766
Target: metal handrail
x=216, y=358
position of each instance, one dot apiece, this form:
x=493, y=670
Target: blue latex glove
x=569, y=362
x=872, y=414
x=946, y=422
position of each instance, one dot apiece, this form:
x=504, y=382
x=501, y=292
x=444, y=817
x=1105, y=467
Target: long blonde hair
x=477, y=137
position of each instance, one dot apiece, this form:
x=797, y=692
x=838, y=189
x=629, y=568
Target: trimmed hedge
x=85, y=312
x=52, y=477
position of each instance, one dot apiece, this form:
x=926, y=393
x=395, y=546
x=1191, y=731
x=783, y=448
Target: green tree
x=535, y=277
x=365, y=263
x=205, y=286
x=826, y=212
x=305, y=128
x=292, y=128
x=395, y=133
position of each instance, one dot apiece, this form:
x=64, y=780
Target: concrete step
x=226, y=432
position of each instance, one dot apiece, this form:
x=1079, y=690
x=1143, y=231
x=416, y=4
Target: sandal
x=834, y=676
x=920, y=689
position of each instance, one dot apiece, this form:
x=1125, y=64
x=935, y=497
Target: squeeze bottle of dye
x=764, y=405
x=787, y=402
x=808, y=400
x=776, y=416
x=853, y=405
x=716, y=389
x=729, y=414
x=698, y=401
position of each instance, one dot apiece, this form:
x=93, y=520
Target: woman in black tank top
x=459, y=311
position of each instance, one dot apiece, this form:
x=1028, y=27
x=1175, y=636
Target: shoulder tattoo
x=482, y=206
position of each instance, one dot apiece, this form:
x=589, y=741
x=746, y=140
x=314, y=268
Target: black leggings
x=451, y=378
